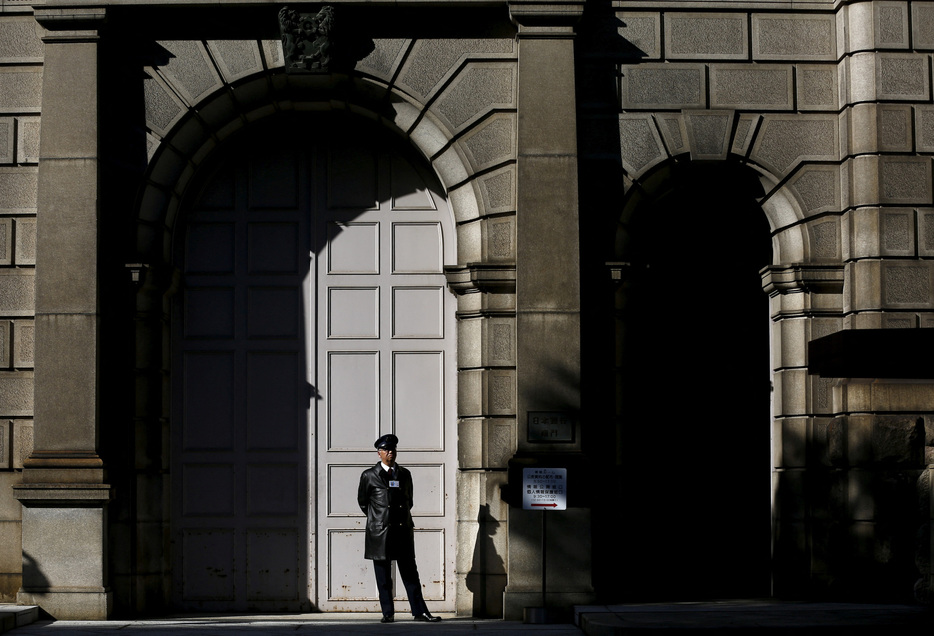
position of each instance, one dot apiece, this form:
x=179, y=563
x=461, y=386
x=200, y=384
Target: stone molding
x=480, y=277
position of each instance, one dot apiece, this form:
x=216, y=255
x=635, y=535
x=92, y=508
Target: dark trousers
x=413, y=587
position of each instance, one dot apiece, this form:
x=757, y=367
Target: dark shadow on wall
x=486, y=578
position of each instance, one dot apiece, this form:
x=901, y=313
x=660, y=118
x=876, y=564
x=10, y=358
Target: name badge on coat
x=393, y=483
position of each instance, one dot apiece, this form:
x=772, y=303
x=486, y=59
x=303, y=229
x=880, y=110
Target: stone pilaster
x=547, y=308
x=63, y=492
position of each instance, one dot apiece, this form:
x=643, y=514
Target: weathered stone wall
x=20, y=101
x=831, y=104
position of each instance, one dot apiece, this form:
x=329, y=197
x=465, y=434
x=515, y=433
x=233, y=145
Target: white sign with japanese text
x=544, y=488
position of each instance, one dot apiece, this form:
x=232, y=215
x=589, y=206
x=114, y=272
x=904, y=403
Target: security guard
x=385, y=497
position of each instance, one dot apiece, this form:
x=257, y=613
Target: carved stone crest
x=306, y=39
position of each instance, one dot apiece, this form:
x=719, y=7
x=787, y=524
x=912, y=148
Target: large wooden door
x=313, y=318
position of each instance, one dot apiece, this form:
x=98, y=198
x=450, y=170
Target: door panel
x=313, y=318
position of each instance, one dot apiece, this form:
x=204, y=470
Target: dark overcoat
x=390, y=533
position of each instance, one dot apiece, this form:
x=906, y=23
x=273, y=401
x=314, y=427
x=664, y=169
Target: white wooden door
x=313, y=318
x=385, y=365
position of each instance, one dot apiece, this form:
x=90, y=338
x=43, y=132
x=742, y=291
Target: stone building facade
x=518, y=234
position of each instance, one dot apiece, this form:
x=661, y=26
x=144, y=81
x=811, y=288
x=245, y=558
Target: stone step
x=12, y=616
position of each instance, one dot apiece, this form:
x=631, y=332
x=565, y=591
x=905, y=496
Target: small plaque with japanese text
x=551, y=426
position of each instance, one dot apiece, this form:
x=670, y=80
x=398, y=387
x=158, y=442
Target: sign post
x=544, y=489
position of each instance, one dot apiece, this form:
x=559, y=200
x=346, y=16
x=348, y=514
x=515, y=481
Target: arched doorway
x=693, y=394
x=312, y=318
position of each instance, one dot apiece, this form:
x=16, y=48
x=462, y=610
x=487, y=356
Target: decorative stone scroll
x=306, y=39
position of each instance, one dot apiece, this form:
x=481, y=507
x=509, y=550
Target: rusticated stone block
x=745, y=132
x=499, y=240
x=6, y=342
x=18, y=188
x=6, y=241
x=760, y=87
x=24, y=343
x=897, y=233
x=163, y=108
x=894, y=126
x=891, y=25
x=640, y=145
x=642, y=31
x=663, y=86
x=789, y=442
x=6, y=445
x=20, y=89
x=498, y=190
x=24, y=248
x=926, y=232
x=922, y=25
x=190, y=70
x=716, y=36
x=817, y=87
x=476, y=90
x=27, y=140
x=272, y=51
x=673, y=132
x=818, y=188
x=902, y=76
x=22, y=442
x=16, y=393
x=907, y=284
x=17, y=292
x=709, y=133
x=384, y=58
x=825, y=239
x=433, y=61
x=924, y=128
x=784, y=140
x=236, y=58
x=7, y=140
x=492, y=142
x=905, y=180
x=793, y=37
x=19, y=40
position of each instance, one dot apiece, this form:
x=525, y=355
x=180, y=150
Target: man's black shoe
x=386, y=619
x=427, y=618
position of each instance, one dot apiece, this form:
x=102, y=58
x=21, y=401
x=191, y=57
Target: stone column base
x=514, y=603
x=79, y=605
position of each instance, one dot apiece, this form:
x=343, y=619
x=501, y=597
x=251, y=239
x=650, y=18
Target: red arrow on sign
x=551, y=505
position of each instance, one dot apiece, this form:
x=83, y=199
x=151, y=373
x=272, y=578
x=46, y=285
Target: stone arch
x=460, y=117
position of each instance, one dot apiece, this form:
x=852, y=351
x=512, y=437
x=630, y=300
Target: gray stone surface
x=6, y=241
x=22, y=442
x=825, y=240
x=667, y=86
x=27, y=140
x=640, y=145
x=432, y=61
x=897, y=233
x=783, y=141
x=902, y=77
x=6, y=445
x=891, y=25
x=793, y=37
x=20, y=89
x=385, y=57
x=907, y=284
x=17, y=292
x=709, y=133
x=24, y=343
x=708, y=36
x=818, y=188
x=236, y=58
x=7, y=140
x=25, y=241
x=492, y=142
x=18, y=190
x=190, y=70
x=817, y=87
x=673, y=132
x=163, y=109
x=922, y=25
x=499, y=240
x=762, y=87
x=16, y=389
x=498, y=190
x=643, y=32
x=475, y=91
x=19, y=40
x=905, y=180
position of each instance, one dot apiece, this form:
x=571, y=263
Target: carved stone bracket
x=306, y=39
x=477, y=277
x=783, y=279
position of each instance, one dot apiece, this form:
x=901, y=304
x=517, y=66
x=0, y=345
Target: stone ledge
x=13, y=616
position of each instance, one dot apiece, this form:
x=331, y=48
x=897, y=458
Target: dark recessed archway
x=693, y=399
